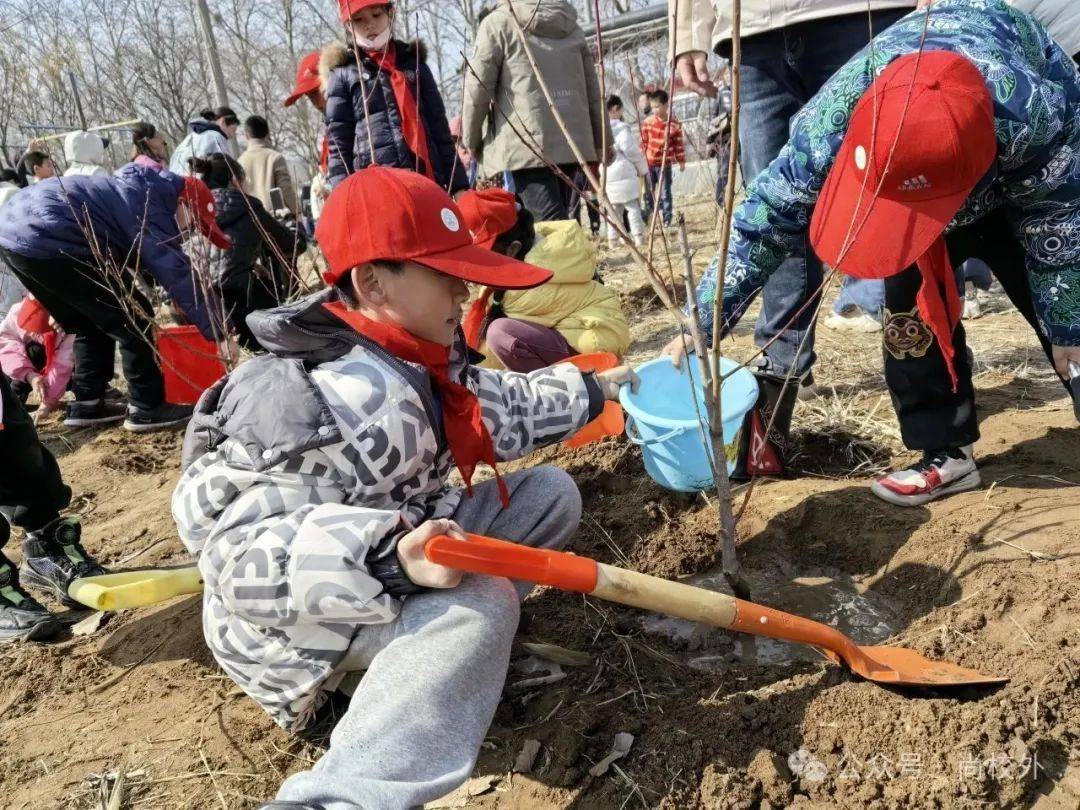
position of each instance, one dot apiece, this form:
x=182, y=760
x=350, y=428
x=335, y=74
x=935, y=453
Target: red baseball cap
x=33, y=317
x=379, y=213
x=920, y=138
x=307, y=78
x=200, y=202
x=348, y=8
x=488, y=214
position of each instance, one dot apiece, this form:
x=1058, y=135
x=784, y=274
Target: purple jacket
x=132, y=216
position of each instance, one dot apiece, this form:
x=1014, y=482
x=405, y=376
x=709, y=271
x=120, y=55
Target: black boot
x=53, y=557
x=21, y=616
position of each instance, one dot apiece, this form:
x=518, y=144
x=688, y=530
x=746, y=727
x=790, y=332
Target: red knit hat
x=307, y=78
x=200, y=202
x=384, y=214
x=348, y=8
x=488, y=214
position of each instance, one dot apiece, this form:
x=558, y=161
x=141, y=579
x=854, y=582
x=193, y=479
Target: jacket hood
x=201, y=125
x=303, y=330
x=231, y=204
x=337, y=54
x=553, y=19
x=84, y=147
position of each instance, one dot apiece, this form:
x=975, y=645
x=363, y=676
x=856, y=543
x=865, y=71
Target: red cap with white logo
x=384, y=214
x=920, y=138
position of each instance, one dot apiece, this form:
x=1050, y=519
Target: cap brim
x=299, y=92
x=873, y=237
x=482, y=266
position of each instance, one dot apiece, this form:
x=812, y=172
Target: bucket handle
x=635, y=438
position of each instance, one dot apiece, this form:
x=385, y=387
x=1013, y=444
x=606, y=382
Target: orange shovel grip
x=486, y=555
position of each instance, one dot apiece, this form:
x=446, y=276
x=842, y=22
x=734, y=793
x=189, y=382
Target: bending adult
x=78, y=244
x=500, y=81
x=963, y=131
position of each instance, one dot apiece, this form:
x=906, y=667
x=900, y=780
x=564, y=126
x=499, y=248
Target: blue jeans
x=781, y=71
x=868, y=294
x=663, y=179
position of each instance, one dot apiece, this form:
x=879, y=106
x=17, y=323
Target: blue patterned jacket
x=1036, y=92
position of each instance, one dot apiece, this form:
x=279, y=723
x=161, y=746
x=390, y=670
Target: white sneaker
x=857, y=321
x=937, y=475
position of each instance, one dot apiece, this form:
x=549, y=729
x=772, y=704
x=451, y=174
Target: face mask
x=376, y=44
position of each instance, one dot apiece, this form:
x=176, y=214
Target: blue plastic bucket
x=662, y=419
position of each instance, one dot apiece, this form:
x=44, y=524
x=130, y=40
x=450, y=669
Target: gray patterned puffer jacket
x=303, y=466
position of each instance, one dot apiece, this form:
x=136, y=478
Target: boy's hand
x=37, y=385
x=613, y=379
x=415, y=564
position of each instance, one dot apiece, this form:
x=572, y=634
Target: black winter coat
x=346, y=111
x=255, y=234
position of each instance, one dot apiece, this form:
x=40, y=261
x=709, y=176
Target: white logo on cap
x=449, y=219
x=915, y=183
x=860, y=157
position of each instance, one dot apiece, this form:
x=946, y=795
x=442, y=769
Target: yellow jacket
x=585, y=312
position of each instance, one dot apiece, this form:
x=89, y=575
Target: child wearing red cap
x=573, y=313
x=383, y=105
x=955, y=134
x=316, y=473
x=36, y=354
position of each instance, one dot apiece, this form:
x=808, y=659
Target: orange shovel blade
x=905, y=667
x=610, y=422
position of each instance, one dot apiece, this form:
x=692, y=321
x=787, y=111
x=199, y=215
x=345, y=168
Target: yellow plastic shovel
x=138, y=588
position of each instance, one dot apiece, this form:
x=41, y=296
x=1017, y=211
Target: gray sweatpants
x=415, y=723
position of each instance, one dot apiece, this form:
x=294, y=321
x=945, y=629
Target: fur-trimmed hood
x=337, y=54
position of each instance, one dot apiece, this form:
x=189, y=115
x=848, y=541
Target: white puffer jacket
x=621, y=177
x=84, y=153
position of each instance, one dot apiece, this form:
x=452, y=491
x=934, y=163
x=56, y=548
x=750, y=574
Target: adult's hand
x=676, y=349
x=1063, y=355
x=921, y=4
x=417, y=566
x=693, y=67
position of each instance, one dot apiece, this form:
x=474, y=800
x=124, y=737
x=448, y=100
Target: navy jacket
x=131, y=215
x=347, y=129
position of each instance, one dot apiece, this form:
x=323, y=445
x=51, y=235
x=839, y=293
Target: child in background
x=621, y=178
x=373, y=113
x=662, y=143
x=148, y=147
x=36, y=354
x=258, y=269
x=571, y=314
x=315, y=475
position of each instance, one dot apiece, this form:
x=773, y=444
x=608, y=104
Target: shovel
x=894, y=666
x=129, y=589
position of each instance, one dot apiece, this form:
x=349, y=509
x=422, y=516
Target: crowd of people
x=315, y=471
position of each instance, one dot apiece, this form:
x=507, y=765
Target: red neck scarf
x=412, y=127
x=34, y=318
x=468, y=437
x=940, y=314
x=474, y=321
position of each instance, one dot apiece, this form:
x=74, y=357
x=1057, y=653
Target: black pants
x=932, y=416
x=87, y=305
x=578, y=198
x=544, y=193
x=32, y=493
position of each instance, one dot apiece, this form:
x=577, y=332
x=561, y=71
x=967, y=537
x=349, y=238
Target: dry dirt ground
x=988, y=579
